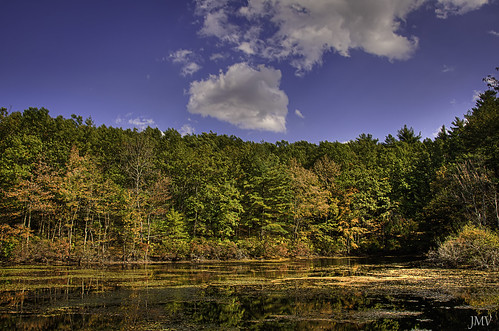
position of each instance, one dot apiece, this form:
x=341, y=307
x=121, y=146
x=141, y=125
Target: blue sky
x=268, y=70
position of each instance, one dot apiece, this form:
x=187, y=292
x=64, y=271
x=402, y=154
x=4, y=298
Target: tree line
x=71, y=191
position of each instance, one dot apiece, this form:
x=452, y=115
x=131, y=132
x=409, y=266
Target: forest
x=72, y=192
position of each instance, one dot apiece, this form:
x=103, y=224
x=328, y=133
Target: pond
x=313, y=294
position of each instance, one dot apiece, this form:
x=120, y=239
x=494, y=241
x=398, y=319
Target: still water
x=315, y=294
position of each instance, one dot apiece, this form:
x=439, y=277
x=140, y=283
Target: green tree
x=480, y=134
x=266, y=195
x=309, y=200
x=407, y=135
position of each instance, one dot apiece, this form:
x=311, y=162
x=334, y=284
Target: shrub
x=301, y=248
x=473, y=247
x=14, y=242
x=268, y=248
x=201, y=248
x=171, y=250
x=251, y=247
x=276, y=248
x=45, y=251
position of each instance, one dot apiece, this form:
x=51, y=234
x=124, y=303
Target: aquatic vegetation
x=294, y=294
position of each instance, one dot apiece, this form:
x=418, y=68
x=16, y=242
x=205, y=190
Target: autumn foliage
x=76, y=193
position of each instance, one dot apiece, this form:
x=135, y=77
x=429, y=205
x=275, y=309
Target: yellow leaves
x=309, y=198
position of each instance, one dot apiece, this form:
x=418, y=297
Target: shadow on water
x=323, y=294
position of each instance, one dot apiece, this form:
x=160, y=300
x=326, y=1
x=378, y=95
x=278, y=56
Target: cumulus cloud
x=247, y=97
x=216, y=20
x=303, y=30
x=187, y=59
x=445, y=8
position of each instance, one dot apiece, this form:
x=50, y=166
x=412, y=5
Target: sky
x=262, y=70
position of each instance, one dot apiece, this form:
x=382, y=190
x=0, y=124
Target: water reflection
x=326, y=294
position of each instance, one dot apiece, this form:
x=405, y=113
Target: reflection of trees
x=217, y=306
x=281, y=296
x=226, y=312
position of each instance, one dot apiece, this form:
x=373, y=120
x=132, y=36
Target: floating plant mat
x=350, y=294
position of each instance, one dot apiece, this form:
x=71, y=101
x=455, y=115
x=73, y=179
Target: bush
x=269, y=248
x=171, y=250
x=14, y=242
x=46, y=251
x=201, y=249
x=251, y=247
x=301, y=248
x=473, y=247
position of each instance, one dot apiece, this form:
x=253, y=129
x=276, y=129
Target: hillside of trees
x=72, y=192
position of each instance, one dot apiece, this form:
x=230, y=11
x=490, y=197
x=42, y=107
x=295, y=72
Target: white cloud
x=247, y=97
x=447, y=68
x=302, y=31
x=494, y=33
x=299, y=113
x=190, y=68
x=476, y=95
x=444, y=8
x=120, y=120
x=187, y=59
x=306, y=29
x=216, y=20
x=141, y=122
x=246, y=47
x=218, y=56
x=436, y=132
x=180, y=56
x=187, y=129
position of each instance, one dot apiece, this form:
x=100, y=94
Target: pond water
x=315, y=294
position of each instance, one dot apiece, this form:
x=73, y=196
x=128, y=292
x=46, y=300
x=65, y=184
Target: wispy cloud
x=299, y=113
x=447, y=68
x=140, y=122
x=187, y=129
x=436, y=132
x=476, y=95
x=187, y=59
x=494, y=33
x=122, y=119
x=445, y=8
x=247, y=97
x=218, y=56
